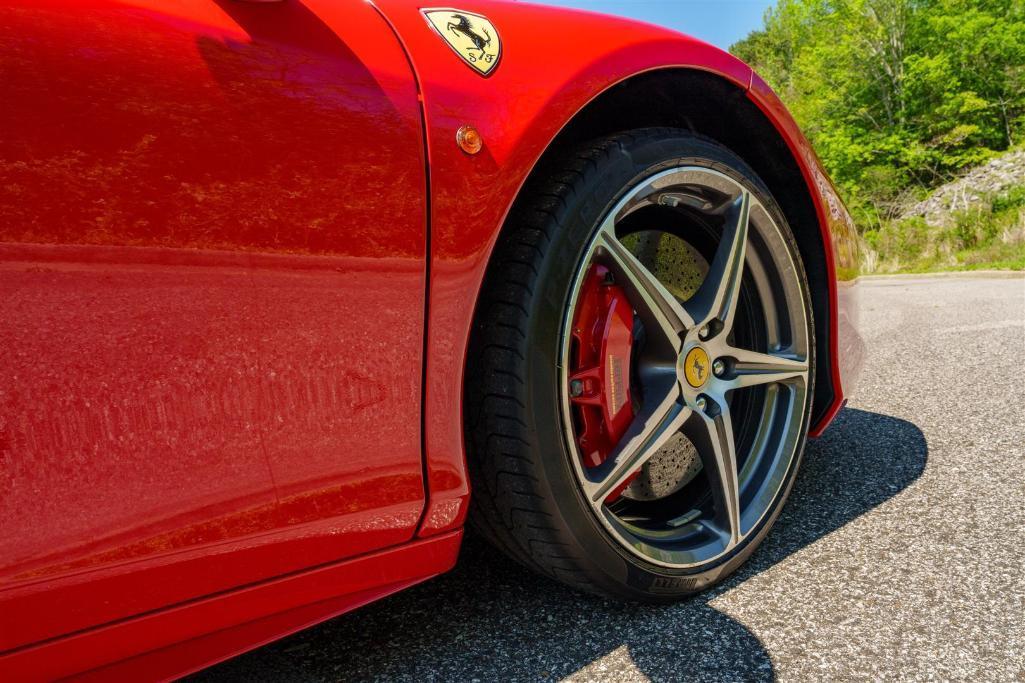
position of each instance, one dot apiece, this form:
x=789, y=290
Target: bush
x=988, y=235
x=1010, y=199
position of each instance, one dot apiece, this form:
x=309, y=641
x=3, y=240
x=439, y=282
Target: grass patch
x=990, y=235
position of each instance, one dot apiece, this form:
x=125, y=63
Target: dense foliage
x=896, y=95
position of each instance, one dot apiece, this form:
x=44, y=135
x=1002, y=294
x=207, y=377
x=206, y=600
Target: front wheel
x=638, y=388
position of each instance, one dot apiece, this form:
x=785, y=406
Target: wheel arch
x=713, y=106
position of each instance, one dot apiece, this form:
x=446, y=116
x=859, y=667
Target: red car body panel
x=206, y=324
x=519, y=110
x=239, y=257
x=193, y=635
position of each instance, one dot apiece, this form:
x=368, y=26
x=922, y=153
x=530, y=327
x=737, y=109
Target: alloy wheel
x=701, y=389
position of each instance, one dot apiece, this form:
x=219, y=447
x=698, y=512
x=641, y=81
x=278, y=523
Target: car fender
x=553, y=62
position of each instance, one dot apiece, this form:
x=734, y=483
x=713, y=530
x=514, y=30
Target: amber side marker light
x=469, y=139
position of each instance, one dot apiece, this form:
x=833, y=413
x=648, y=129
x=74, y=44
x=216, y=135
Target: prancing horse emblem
x=695, y=367
x=699, y=369
x=470, y=35
x=462, y=25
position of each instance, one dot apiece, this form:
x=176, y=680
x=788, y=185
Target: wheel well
x=712, y=106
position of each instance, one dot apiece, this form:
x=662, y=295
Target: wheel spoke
x=750, y=368
x=658, y=420
x=711, y=432
x=655, y=305
x=715, y=302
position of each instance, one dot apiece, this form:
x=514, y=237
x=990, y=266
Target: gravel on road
x=900, y=555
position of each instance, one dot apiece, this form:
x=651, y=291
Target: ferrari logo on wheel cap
x=470, y=35
x=695, y=367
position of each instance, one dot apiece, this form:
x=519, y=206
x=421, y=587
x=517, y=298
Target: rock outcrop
x=975, y=187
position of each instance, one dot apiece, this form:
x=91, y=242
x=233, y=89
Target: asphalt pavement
x=900, y=555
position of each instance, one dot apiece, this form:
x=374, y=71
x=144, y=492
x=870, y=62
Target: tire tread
x=506, y=507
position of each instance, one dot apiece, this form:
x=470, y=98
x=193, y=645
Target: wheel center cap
x=696, y=365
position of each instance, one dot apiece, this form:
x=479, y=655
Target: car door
x=212, y=263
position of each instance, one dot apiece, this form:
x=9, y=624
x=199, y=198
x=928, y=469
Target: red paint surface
x=519, y=109
x=212, y=252
x=547, y=74
x=200, y=633
x=212, y=280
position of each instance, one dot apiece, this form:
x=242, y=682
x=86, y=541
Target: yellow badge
x=470, y=35
x=695, y=367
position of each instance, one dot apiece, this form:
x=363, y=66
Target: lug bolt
x=576, y=388
x=701, y=403
x=703, y=332
x=718, y=367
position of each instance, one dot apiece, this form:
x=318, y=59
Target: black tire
x=525, y=497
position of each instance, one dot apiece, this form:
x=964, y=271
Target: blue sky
x=720, y=22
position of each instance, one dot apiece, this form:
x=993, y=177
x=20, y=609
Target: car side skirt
x=173, y=642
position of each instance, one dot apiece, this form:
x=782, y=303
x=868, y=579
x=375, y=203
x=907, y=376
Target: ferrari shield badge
x=470, y=35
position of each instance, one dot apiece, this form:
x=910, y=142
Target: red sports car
x=292, y=290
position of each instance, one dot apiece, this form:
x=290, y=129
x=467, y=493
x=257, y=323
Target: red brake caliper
x=599, y=378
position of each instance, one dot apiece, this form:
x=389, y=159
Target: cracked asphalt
x=900, y=555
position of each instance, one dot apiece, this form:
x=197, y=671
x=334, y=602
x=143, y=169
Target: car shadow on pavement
x=489, y=619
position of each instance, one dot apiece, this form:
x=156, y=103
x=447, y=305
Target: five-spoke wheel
x=639, y=385
x=688, y=366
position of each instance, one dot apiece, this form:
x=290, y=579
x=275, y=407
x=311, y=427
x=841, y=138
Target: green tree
x=896, y=95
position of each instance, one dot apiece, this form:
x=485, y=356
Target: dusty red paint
x=219, y=392
x=213, y=228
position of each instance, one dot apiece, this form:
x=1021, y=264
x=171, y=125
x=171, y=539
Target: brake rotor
x=681, y=269
x=674, y=465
